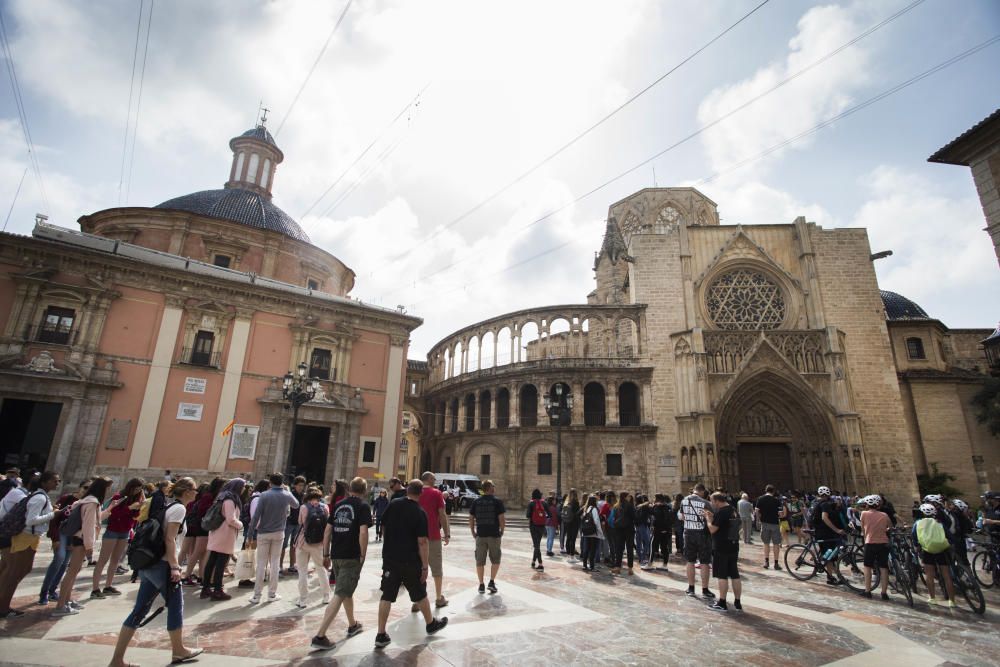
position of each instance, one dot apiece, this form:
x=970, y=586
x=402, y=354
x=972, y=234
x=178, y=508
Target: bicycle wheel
x=901, y=581
x=965, y=580
x=801, y=562
x=850, y=571
x=984, y=568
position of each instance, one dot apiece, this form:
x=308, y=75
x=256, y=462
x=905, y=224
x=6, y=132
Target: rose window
x=745, y=299
x=666, y=219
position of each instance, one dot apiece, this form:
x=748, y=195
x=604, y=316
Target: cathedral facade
x=733, y=355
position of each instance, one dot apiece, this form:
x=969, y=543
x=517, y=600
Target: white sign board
x=190, y=412
x=195, y=385
x=243, y=441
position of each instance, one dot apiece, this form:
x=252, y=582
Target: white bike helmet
x=823, y=491
x=872, y=501
x=928, y=509
x=933, y=498
x=960, y=504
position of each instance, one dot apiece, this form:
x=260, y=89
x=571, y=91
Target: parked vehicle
x=463, y=489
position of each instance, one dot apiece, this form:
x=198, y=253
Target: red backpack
x=538, y=513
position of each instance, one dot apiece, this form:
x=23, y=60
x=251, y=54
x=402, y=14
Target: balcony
x=53, y=334
x=192, y=357
x=566, y=363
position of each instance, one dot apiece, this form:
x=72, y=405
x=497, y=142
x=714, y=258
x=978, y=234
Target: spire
x=255, y=157
x=614, y=244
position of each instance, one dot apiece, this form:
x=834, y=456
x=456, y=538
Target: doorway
x=312, y=443
x=763, y=463
x=28, y=428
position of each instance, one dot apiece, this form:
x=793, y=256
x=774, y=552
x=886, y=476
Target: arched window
x=593, y=405
x=915, y=348
x=485, y=410
x=252, y=169
x=470, y=412
x=565, y=416
x=529, y=405
x=265, y=173
x=503, y=408
x=628, y=405
x=454, y=416
x=240, y=159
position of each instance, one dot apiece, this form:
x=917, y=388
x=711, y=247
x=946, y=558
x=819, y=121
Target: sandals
x=180, y=660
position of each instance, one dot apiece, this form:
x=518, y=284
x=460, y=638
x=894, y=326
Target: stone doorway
x=312, y=443
x=763, y=463
x=28, y=429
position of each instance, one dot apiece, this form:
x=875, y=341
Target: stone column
x=515, y=405
x=493, y=405
x=577, y=416
x=611, y=395
x=461, y=415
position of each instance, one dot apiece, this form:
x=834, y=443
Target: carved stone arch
x=631, y=223
x=682, y=348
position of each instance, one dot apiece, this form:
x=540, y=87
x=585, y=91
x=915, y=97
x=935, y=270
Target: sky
x=454, y=211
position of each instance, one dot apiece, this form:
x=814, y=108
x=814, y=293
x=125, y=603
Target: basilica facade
x=732, y=355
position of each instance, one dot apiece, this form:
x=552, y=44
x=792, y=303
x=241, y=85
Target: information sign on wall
x=243, y=441
x=195, y=385
x=190, y=412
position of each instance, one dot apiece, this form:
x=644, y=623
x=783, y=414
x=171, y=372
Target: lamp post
x=297, y=390
x=558, y=409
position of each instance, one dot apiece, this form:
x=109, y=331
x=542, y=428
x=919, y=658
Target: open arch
x=485, y=410
x=487, y=350
x=470, y=412
x=472, y=354
x=528, y=406
x=503, y=407
x=504, y=347
x=628, y=404
x=594, y=410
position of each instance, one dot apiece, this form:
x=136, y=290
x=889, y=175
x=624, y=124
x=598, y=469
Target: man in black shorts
x=724, y=525
x=404, y=560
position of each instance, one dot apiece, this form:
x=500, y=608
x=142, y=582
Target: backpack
x=589, y=527
x=816, y=514
x=538, y=513
x=213, y=517
x=73, y=523
x=315, y=524
x=567, y=513
x=14, y=521
x=147, y=546
x=931, y=536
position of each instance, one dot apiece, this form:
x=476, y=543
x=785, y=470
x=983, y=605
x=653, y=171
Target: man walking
x=745, y=508
x=724, y=526
x=405, y=555
x=663, y=529
x=268, y=522
x=487, y=522
x=768, y=511
x=396, y=489
x=697, y=543
x=432, y=502
x=345, y=545
x=292, y=526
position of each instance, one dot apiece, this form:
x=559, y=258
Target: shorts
x=943, y=558
x=434, y=557
x=76, y=542
x=347, y=572
x=408, y=575
x=877, y=555
x=697, y=546
x=486, y=545
x=724, y=566
x=797, y=521
x=770, y=533
x=291, y=533
x=115, y=535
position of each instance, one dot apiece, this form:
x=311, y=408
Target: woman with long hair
x=163, y=578
x=551, y=524
x=624, y=527
x=536, y=515
x=199, y=552
x=570, y=515
x=222, y=540
x=60, y=545
x=590, y=520
x=85, y=517
x=120, y=524
x=187, y=544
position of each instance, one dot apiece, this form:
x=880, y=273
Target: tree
x=937, y=482
x=987, y=400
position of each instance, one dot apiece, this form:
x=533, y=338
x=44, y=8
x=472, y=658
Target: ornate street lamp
x=297, y=390
x=560, y=408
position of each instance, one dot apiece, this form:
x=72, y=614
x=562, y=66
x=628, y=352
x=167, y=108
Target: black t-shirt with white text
x=347, y=518
x=403, y=523
x=487, y=510
x=769, y=507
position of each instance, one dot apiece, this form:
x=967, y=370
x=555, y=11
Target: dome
x=898, y=307
x=241, y=206
x=260, y=132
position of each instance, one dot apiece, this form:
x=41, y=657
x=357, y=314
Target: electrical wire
x=585, y=132
x=313, y=68
x=16, y=193
x=128, y=109
x=138, y=103
x=21, y=112
x=775, y=147
x=693, y=135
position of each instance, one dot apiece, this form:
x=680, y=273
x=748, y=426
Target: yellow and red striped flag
x=229, y=427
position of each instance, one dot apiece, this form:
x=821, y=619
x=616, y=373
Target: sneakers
x=354, y=630
x=885, y=596
x=12, y=613
x=690, y=592
x=73, y=604
x=737, y=605
x=189, y=581
x=64, y=611
x=111, y=590
x=436, y=625
x=382, y=640
x=443, y=601
x=221, y=596
x=273, y=597
x=707, y=594
x=539, y=569
x=951, y=604
x=776, y=566
x=930, y=599
x=718, y=605
x=492, y=586
x=767, y=565
x=301, y=604
x=254, y=599
x=322, y=643
x=830, y=581
x=121, y=570
x=96, y=594
x=866, y=594
x=482, y=589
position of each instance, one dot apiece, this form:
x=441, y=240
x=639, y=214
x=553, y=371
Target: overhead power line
x=313, y=68
x=128, y=109
x=22, y=115
x=775, y=147
x=14, y=201
x=138, y=103
x=585, y=132
x=696, y=133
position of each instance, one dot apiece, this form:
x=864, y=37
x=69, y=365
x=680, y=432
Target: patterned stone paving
x=562, y=616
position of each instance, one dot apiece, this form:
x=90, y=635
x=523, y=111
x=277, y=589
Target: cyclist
x=829, y=529
x=875, y=526
x=959, y=511
x=935, y=553
x=991, y=515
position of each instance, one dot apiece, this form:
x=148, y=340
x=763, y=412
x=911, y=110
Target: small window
x=484, y=464
x=312, y=284
x=614, y=465
x=225, y=261
x=319, y=364
x=369, y=453
x=915, y=348
x=545, y=464
x=201, y=353
x=57, y=325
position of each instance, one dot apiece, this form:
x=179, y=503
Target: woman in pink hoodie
x=222, y=540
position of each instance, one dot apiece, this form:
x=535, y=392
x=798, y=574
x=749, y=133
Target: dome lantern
x=255, y=157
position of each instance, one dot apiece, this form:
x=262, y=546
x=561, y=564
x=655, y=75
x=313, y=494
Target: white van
x=462, y=488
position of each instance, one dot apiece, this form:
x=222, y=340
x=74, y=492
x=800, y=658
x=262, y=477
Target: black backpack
x=148, y=546
x=316, y=519
x=14, y=521
x=588, y=528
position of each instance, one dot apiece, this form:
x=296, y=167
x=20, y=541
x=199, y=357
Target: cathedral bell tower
x=255, y=158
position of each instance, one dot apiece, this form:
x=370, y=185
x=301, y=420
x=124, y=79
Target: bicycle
x=899, y=565
x=986, y=566
x=852, y=555
x=966, y=584
x=805, y=561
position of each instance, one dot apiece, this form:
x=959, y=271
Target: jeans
x=536, y=540
x=589, y=548
x=642, y=537
x=57, y=568
x=155, y=581
x=562, y=536
x=269, y=561
x=550, y=532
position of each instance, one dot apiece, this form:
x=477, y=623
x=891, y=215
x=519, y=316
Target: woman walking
x=537, y=514
x=591, y=533
x=60, y=546
x=624, y=527
x=379, y=506
x=571, y=521
x=199, y=552
x=551, y=524
x=163, y=578
x=221, y=541
x=126, y=504
x=80, y=528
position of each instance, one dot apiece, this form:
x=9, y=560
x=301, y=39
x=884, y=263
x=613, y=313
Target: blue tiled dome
x=260, y=132
x=898, y=307
x=238, y=205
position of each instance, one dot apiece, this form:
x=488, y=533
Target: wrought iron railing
x=197, y=358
